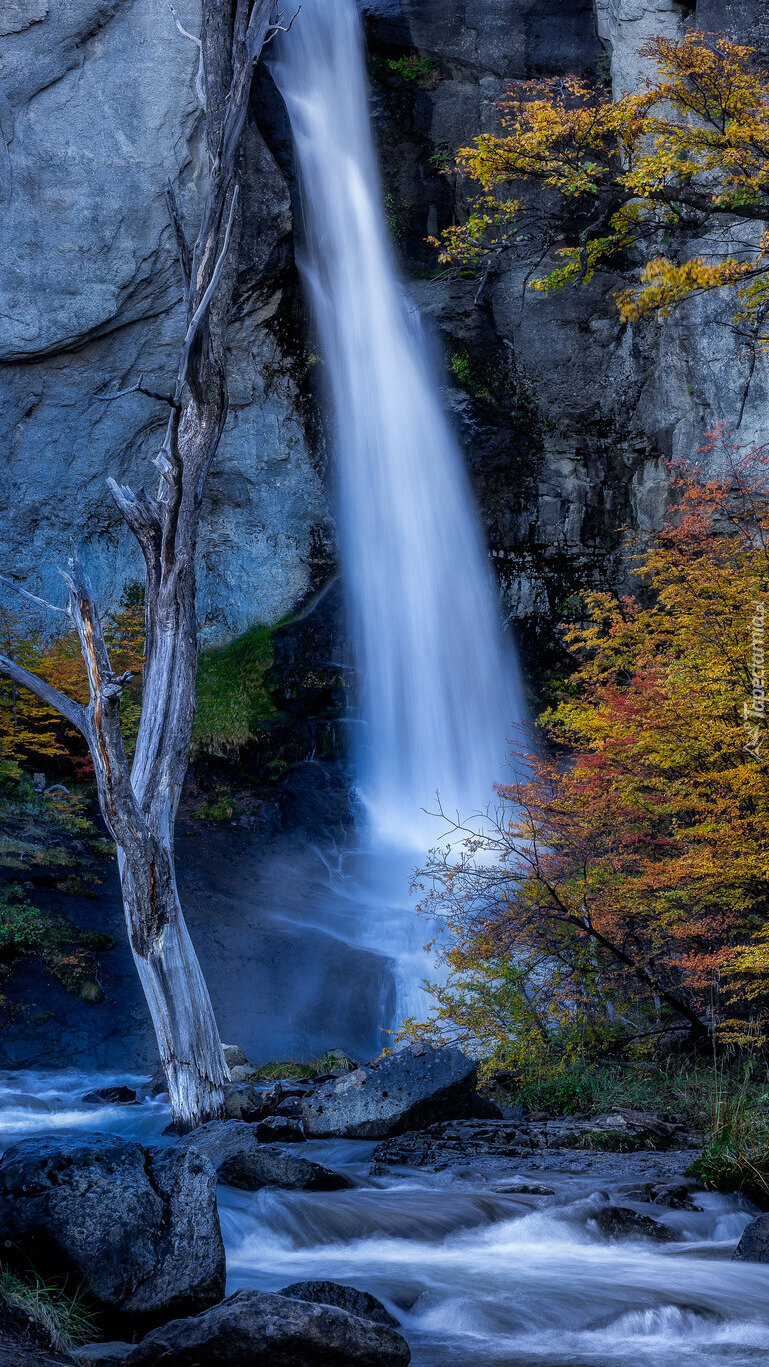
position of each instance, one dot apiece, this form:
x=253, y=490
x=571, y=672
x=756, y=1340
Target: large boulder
x=413, y=1087
x=241, y=1160
x=754, y=1244
x=138, y=1229
x=258, y=1329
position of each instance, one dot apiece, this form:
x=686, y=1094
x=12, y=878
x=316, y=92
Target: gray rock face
x=98, y=108
x=415, y=1086
x=138, y=1228
x=754, y=1244
x=254, y=1329
x=237, y=1154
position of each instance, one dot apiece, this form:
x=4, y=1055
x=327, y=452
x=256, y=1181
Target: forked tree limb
x=66, y=707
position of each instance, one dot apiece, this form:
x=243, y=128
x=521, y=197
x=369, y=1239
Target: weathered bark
x=139, y=802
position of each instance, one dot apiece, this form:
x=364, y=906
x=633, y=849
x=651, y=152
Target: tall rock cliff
x=567, y=415
x=99, y=107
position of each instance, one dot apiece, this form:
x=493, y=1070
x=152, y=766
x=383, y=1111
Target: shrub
x=65, y=950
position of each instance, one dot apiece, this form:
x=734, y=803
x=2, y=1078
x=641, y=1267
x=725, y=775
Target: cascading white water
x=439, y=684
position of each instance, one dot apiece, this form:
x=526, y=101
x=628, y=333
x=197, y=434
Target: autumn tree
x=621, y=889
x=34, y=733
x=574, y=181
x=139, y=800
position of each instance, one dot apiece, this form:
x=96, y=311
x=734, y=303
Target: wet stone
x=620, y=1222
x=110, y=1096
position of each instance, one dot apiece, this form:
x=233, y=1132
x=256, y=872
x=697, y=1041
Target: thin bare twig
x=139, y=388
x=200, y=79
x=202, y=307
x=278, y=27
x=33, y=598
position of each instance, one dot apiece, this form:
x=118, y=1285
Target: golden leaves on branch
x=592, y=181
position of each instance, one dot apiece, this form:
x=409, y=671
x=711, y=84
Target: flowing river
x=476, y=1277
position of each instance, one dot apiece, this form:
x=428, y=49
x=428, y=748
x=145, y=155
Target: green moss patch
x=66, y=951
x=234, y=700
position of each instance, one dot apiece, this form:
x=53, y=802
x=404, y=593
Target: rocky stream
x=385, y=1214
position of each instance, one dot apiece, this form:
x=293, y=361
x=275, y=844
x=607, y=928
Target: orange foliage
x=33, y=734
x=624, y=883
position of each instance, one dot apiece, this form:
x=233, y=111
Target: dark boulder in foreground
x=348, y=1298
x=754, y=1244
x=259, y=1329
x=234, y=1149
x=620, y=1222
x=139, y=1229
x=413, y=1087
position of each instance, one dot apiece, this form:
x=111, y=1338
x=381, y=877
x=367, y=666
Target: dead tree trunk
x=139, y=802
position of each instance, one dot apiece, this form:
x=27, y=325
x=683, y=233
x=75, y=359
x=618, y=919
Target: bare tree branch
x=139, y=388
x=66, y=707
x=200, y=79
x=279, y=27
x=200, y=311
x=33, y=598
x=182, y=245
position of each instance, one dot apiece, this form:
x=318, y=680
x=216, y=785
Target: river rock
x=620, y=1222
x=102, y=1354
x=234, y=1056
x=268, y=1166
x=250, y=1101
x=415, y=1086
x=257, y=1329
x=674, y=1195
x=110, y=1096
x=280, y=1129
x=754, y=1244
x=138, y=1229
x=241, y=1160
x=348, y=1298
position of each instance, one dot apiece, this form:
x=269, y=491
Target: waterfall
x=439, y=683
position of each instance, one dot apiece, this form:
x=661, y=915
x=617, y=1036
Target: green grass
x=735, y=1155
x=63, y=1320
x=233, y=696
x=327, y=1063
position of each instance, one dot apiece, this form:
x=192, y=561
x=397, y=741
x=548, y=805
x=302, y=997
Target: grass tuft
x=63, y=1320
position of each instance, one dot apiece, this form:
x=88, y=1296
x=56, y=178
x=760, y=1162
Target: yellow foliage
x=591, y=179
